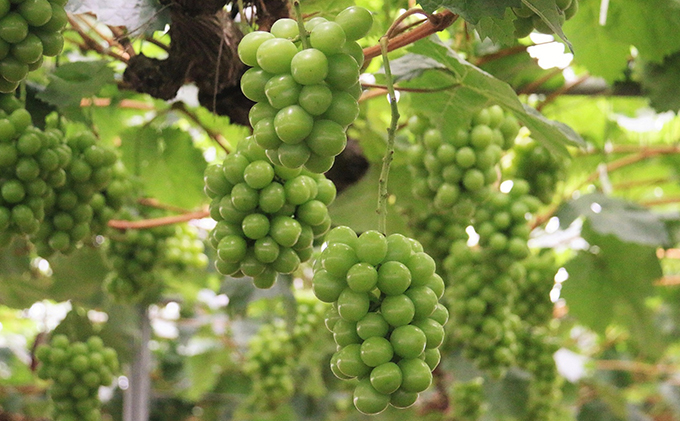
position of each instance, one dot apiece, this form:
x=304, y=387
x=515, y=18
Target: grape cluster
x=135, y=256
x=267, y=215
x=536, y=348
x=68, y=208
x=541, y=169
x=29, y=30
x=77, y=370
x=269, y=364
x=32, y=163
x=468, y=400
x=184, y=249
x=455, y=171
x=305, y=97
x=386, y=318
x=527, y=20
x=108, y=202
x=436, y=231
x=309, y=319
x=535, y=307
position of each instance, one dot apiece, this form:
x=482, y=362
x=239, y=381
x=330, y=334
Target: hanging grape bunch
x=119, y=192
x=267, y=215
x=77, y=370
x=535, y=307
x=387, y=320
x=455, y=171
x=29, y=30
x=137, y=256
x=69, y=210
x=185, y=249
x=527, y=20
x=32, y=163
x=468, y=400
x=305, y=88
x=540, y=168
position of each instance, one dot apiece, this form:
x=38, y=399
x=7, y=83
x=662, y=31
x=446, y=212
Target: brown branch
x=561, y=91
x=635, y=367
x=643, y=183
x=93, y=45
x=436, y=23
x=214, y=135
x=661, y=201
x=157, y=222
x=125, y=103
x=153, y=203
x=532, y=86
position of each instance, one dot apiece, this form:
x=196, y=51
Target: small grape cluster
x=468, y=400
x=535, y=307
x=541, y=169
x=269, y=363
x=305, y=98
x=456, y=171
x=135, y=256
x=29, y=30
x=309, y=319
x=436, y=231
x=107, y=203
x=527, y=20
x=536, y=348
x=386, y=319
x=68, y=208
x=267, y=215
x=185, y=250
x=77, y=370
x=32, y=163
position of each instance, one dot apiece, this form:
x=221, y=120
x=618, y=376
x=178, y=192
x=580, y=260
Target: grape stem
x=304, y=35
x=157, y=222
x=436, y=22
x=391, y=134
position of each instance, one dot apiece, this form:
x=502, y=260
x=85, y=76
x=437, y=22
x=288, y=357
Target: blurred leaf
x=20, y=283
x=78, y=276
x=471, y=10
x=628, y=221
x=621, y=275
x=71, y=82
x=660, y=82
x=168, y=163
x=76, y=325
x=136, y=15
x=550, y=14
x=411, y=66
x=204, y=370
x=498, y=30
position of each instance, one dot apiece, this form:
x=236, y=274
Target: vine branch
x=435, y=23
x=157, y=222
x=214, y=135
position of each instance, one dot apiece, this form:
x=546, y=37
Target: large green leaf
x=550, y=14
x=78, y=276
x=499, y=30
x=167, y=162
x=609, y=284
x=611, y=216
x=21, y=284
x=136, y=15
x=471, y=10
x=73, y=81
x=472, y=88
x=660, y=83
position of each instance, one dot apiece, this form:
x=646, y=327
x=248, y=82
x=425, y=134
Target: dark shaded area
x=350, y=166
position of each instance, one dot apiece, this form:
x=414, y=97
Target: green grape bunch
x=543, y=170
x=137, y=257
x=185, y=249
x=268, y=216
x=468, y=400
x=386, y=317
x=527, y=20
x=32, y=164
x=270, y=364
x=306, y=94
x=76, y=370
x=536, y=307
x=121, y=191
x=69, y=213
x=29, y=31
x=456, y=171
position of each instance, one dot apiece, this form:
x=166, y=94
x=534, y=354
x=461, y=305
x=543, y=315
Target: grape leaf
x=71, y=82
x=660, y=83
x=168, y=163
x=78, y=276
x=550, y=14
x=20, y=284
x=625, y=220
x=498, y=30
x=473, y=88
x=411, y=66
x=471, y=10
x=136, y=15
x=620, y=274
